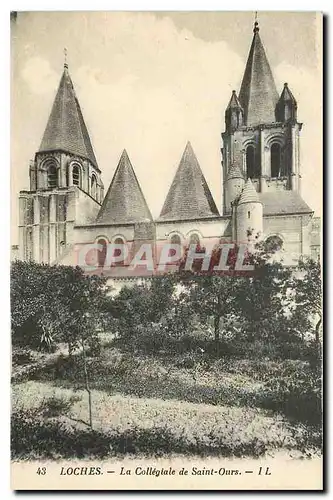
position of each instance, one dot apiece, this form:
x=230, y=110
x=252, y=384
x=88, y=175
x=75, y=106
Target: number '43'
x=41, y=471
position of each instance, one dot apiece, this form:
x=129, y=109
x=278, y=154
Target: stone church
x=66, y=204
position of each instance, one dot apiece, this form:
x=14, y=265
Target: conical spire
x=286, y=108
x=287, y=95
x=124, y=202
x=234, y=113
x=189, y=196
x=234, y=101
x=234, y=172
x=258, y=94
x=66, y=129
x=249, y=194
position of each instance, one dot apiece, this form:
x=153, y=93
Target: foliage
x=143, y=304
x=296, y=393
x=52, y=304
x=307, y=297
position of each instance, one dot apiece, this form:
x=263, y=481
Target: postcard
x=166, y=253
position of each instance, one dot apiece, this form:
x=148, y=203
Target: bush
x=296, y=393
x=56, y=405
x=22, y=357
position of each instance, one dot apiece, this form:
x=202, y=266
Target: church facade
x=66, y=204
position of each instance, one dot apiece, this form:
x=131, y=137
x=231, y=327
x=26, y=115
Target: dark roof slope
x=283, y=202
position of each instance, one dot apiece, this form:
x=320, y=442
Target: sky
x=149, y=82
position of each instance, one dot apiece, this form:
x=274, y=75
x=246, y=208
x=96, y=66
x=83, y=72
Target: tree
x=263, y=299
x=52, y=304
x=211, y=293
x=143, y=304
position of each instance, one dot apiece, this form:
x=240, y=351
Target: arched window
x=194, y=240
x=273, y=243
x=101, y=254
x=118, y=251
x=93, y=186
x=175, y=240
x=250, y=162
x=276, y=160
x=52, y=175
x=76, y=175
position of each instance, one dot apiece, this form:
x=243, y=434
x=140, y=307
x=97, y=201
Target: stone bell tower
x=65, y=181
x=261, y=137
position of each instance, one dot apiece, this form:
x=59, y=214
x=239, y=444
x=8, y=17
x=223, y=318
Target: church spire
x=286, y=108
x=66, y=130
x=124, y=202
x=189, y=196
x=258, y=94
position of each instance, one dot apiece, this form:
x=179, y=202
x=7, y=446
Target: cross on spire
x=256, y=24
x=65, y=58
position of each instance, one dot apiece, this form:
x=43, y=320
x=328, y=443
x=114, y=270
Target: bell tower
x=261, y=137
x=65, y=181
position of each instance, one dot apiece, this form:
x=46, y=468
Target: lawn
x=151, y=406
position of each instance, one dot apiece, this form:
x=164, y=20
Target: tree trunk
x=86, y=378
x=318, y=330
x=70, y=351
x=217, y=334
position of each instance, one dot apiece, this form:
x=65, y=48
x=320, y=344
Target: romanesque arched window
x=276, y=170
x=119, y=251
x=93, y=186
x=250, y=162
x=175, y=240
x=76, y=175
x=52, y=174
x=101, y=254
x=194, y=239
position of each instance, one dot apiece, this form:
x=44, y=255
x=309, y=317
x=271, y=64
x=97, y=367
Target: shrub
x=22, y=357
x=56, y=405
x=297, y=393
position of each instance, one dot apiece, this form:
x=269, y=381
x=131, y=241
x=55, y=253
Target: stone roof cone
x=234, y=172
x=66, y=129
x=189, y=196
x=124, y=201
x=287, y=95
x=234, y=101
x=249, y=194
x=258, y=94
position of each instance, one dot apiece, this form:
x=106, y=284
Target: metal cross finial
x=256, y=24
x=65, y=54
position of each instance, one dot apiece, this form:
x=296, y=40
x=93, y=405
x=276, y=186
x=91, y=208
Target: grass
x=153, y=407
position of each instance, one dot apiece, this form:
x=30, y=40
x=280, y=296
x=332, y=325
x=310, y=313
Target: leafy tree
x=307, y=286
x=143, y=304
x=52, y=304
x=211, y=293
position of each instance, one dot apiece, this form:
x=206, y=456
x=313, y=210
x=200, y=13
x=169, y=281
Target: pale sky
x=149, y=82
